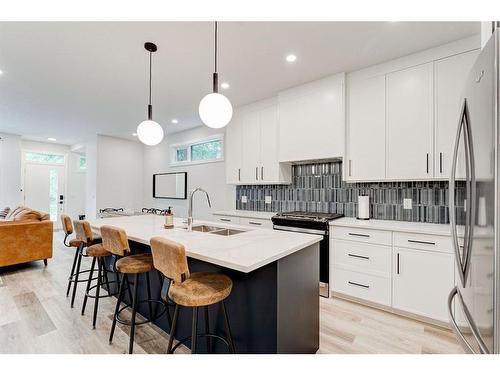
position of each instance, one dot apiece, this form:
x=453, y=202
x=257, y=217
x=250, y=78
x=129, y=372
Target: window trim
x=174, y=147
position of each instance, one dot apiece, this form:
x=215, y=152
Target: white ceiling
x=73, y=80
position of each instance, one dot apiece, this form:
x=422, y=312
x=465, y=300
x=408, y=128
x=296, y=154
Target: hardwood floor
x=35, y=317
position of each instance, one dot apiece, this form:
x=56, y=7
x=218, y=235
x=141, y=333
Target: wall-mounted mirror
x=170, y=185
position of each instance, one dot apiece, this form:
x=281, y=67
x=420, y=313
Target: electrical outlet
x=243, y=199
x=268, y=199
x=407, y=203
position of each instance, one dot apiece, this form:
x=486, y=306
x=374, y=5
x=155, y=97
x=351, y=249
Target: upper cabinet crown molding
x=312, y=120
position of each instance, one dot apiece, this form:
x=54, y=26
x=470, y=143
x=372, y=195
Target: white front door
x=44, y=188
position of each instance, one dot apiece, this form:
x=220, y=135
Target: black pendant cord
x=150, y=107
x=215, y=75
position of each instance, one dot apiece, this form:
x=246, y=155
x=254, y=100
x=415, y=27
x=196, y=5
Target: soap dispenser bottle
x=169, y=218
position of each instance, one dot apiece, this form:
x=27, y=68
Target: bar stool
x=78, y=244
x=97, y=252
x=116, y=242
x=67, y=226
x=195, y=290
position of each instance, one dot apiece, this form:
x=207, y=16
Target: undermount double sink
x=216, y=230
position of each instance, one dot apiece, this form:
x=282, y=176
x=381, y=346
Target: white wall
x=75, y=178
x=119, y=167
x=10, y=170
x=209, y=176
x=91, y=182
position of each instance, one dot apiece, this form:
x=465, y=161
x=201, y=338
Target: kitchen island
x=274, y=304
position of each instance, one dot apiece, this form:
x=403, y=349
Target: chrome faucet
x=190, y=207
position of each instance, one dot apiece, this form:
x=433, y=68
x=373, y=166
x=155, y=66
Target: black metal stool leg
x=207, y=329
x=97, y=290
x=150, y=305
x=75, y=282
x=89, y=282
x=105, y=273
x=134, y=310
x=118, y=303
x=129, y=289
x=228, y=328
x=194, y=330
x=172, y=330
x=72, y=271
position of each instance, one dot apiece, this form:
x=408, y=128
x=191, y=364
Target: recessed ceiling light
x=134, y=134
x=51, y=139
x=291, y=58
x=224, y=85
x=175, y=121
x=1, y=72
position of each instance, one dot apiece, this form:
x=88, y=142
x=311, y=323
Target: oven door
x=324, y=256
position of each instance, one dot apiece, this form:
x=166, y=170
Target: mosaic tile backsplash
x=319, y=188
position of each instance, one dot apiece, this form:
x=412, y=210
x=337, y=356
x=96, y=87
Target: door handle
x=470, y=322
x=349, y=167
x=397, y=264
x=261, y=173
x=359, y=235
x=427, y=162
x=254, y=223
x=422, y=242
x=440, y=162
x=239, y=174
x=256, y=173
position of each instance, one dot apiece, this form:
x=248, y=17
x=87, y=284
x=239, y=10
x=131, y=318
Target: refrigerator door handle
x=471, y=199
x=482, y=346
x=452, y=208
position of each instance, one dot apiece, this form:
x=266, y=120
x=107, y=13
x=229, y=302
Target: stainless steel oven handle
x=300, y=230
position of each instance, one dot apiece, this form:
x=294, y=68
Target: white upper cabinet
x=312, y=120
x=409, y=128
x=450, y=77
x=233, y=148
x=365, y=146
x=252, y=146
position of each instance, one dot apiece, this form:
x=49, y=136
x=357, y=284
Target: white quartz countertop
x=244, y=252
x=248, y=214
x=396, y=226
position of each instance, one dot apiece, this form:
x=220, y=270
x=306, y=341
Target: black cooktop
x=306, y=216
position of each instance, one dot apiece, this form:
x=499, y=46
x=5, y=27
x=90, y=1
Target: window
x=82, y=163
x=44, y=158
x=199, y=151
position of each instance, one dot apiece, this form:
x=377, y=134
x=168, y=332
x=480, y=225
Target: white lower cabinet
x=381, y=267
x=422, y=281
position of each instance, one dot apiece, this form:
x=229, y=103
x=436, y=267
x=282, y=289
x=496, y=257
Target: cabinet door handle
x=427, y=162
x=358, y=256
x=440, y=162
x=254, y=223
x=222, y=219
x=359, y=235
x=350, y=167
x=397, y=264
x=358, y=284
x=256, y=173
x=261, y=173
x=422, y=242
x=239, y=174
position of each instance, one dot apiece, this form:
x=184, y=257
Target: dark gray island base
x=274, y=309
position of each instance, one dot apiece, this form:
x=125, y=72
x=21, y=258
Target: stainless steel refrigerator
x=474, y=302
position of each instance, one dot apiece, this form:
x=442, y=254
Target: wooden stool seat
x=139, y=263
x=74, y=243
x=97, y=250
x=201, y=289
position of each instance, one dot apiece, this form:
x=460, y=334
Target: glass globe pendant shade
x=215, y=110
x=150, y=132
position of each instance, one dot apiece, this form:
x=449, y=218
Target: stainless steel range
x=311, y=223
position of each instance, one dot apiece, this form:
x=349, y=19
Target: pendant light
x=150, y=132
x=215, y=109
